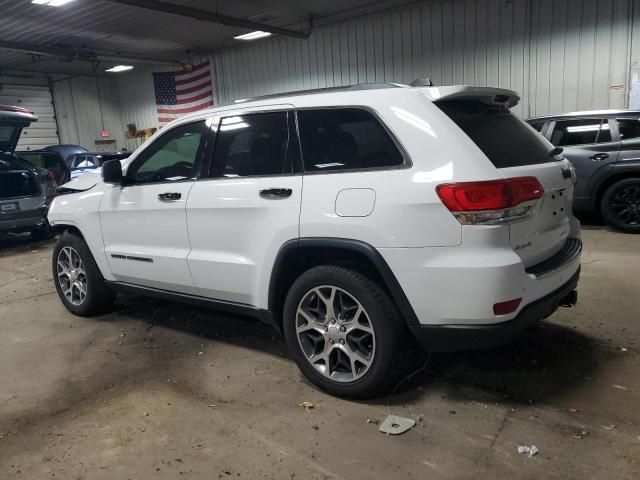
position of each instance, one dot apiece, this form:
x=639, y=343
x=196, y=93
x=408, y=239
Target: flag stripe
x=184, y=81
x=182, y=101
x=195, y=108
x=193, y=88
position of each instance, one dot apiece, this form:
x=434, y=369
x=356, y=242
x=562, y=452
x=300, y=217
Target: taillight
x=491, y=202
x=51, y=186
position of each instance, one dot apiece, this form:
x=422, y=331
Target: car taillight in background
x=51, y=186
x=491, y=202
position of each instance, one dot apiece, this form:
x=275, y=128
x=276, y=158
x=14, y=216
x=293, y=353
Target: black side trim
x=568, y=253
x=391, y=283
x=229, y=307
x=451, y=338
x=129, y=257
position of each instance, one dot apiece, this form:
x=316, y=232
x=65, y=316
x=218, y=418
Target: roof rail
x=313, y=91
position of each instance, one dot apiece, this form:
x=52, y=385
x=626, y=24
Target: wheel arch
x=60, y=228
x=299, y=255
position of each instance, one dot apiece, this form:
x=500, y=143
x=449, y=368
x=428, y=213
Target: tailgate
x=517, y=150
x=543, y=233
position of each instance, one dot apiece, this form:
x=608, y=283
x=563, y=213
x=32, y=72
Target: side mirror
x=112, y=172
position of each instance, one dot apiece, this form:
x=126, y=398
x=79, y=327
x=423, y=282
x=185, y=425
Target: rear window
x=505, y=139
x=15, y=182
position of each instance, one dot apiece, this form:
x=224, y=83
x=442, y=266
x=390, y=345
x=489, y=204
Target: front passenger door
x=588, y=144
x=144, y=224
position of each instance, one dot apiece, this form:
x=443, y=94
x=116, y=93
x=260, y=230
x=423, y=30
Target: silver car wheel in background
x=335, y=333
x=72, y=277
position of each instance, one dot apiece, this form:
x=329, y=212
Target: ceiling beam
x=209, y=16
x=83, y=54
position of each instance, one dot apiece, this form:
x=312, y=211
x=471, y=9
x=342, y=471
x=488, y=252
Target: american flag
x=182, y=92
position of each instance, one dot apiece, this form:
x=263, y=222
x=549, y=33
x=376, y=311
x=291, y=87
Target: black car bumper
x=24, y=221
x=449, y=338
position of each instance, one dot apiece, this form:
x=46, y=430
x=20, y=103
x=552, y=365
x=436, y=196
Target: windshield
x=9, y=137
x=505, y=139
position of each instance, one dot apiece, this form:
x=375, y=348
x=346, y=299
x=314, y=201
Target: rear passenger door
x=247, y=207
x=344, y=151
x=589, y=144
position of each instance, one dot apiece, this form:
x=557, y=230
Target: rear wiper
x=556, y=151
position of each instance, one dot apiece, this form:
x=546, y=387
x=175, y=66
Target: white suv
x=354, y=220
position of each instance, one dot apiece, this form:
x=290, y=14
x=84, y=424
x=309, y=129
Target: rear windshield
x=505, y=139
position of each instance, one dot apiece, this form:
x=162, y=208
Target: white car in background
x=359, y=221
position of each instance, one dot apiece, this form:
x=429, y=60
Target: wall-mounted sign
x=105, y=133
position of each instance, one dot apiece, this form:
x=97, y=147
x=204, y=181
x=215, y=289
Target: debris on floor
x=529, y=450
x=306, y=405
x=394, y=425
x=373, y=420
x=580, y=435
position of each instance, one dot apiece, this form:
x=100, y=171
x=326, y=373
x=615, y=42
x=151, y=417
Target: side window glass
x=171, y=157
x=629, y=128
x=537, y=125
x=345, y=139
x=252, y=144
x=580, y=132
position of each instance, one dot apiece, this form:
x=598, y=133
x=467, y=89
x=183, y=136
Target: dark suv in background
x=604, y=148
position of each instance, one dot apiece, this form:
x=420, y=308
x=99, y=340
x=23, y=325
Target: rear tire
x=620, y=206
x=77, y=278
x=355, y=346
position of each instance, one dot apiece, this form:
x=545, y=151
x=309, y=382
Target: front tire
x=620, y=205
x=344, y=332
x=77, y=278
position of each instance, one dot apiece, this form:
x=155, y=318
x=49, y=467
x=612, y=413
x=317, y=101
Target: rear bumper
x=441, y=338
x=23, y=221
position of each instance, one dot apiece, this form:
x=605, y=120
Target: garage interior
x=162, y=390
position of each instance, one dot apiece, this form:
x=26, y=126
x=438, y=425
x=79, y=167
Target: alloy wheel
x=72, y=277
x=335, y=333
x=625, y=204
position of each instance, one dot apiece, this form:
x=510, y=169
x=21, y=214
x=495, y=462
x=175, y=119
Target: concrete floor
x=164, y=391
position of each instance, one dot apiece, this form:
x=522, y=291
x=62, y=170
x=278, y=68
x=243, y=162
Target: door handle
x=599, y=156
x=276, y=193
x=169, y=196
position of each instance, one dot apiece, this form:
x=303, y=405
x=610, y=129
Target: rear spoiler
x=490, y=96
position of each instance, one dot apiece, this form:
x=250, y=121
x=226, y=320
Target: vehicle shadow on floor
x=21, y=243
x=542, y=363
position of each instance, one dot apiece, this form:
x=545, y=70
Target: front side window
x=252, y=145
x=172, y=157
x=629, y=128
x=580, y=132
x=345, y=139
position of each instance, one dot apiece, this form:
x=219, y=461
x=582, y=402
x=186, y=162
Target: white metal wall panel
x=85, y=106
x=560, y=55
x=38, y=99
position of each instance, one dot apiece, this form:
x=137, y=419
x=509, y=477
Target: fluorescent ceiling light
x=52, y=3
x=588, y=128
x=119, y=68
x=253, y=35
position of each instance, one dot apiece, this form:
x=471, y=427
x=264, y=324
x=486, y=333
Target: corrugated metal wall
x=137, y=99
x=560, y=55
x=85, y=106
